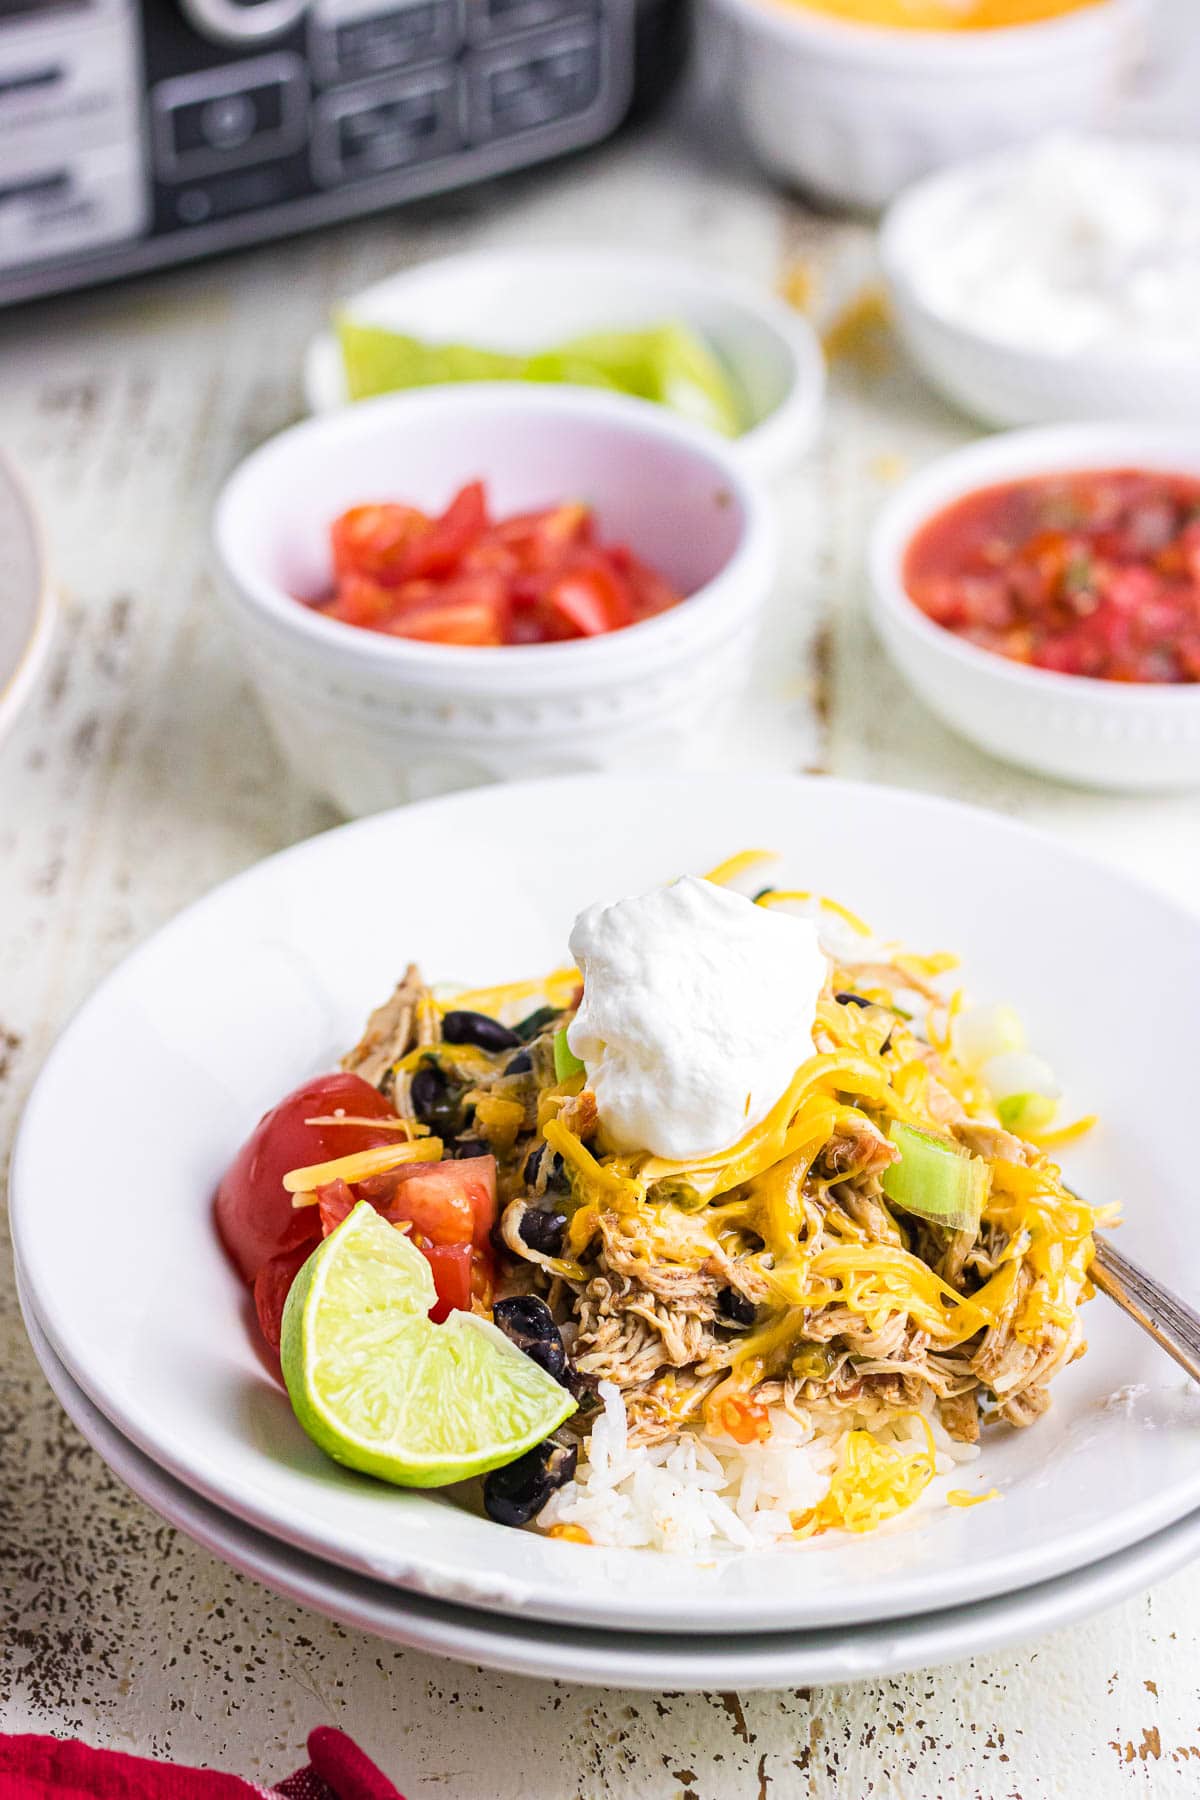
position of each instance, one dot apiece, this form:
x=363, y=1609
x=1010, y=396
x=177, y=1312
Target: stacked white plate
x=143, y=1330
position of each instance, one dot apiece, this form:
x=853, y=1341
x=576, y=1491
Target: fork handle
x=1169, y=1320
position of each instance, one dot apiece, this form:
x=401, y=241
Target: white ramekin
x=853, y=113
x=26, y=599
x=529, y=299
x=1003, y=383
x=1106, y=734
x=372, y=721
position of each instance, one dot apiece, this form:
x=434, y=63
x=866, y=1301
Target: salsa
x=1095, y=573
x=469, y=579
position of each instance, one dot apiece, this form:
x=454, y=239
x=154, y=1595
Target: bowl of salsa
x=1041, y=592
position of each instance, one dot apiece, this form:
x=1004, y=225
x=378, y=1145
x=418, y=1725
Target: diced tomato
x=272, y=1285
x=451, y=1207
x=452, y=1266
x=463, y=580
x=438, y=550
x=452, y=1202
x=592, y=598
x=464, y=622
x=362, y=601
x=539, y=540
x=255, y=1215
x=335, y=1202
x=375, y=540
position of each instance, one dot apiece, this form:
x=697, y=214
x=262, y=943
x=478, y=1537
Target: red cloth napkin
x=42, y=1768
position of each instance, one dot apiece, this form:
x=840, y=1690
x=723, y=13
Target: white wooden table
x=142, y=775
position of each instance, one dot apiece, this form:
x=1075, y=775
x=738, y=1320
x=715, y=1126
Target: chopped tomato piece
x=451, y=1209
x=362, y=601
x=452, y=1266
x=453, y=622
x=438, y=550
x=592, y=598
x=376, y=540
x=539, y=540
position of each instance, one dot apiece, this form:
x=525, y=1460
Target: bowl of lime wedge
x=704, y=344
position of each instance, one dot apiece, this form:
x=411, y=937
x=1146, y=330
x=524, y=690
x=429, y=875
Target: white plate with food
x=799, y=1244
x=26, y=602
x=612, y=1658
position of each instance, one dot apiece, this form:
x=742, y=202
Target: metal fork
x=1169, y=1320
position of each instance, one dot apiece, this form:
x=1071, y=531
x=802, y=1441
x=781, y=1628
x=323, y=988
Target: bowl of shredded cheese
x=851, y=100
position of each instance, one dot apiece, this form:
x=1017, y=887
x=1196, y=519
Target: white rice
x=701, y=1493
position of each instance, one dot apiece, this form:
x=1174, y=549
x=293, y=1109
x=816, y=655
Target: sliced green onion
x=566, y=1063
x=936, y=1179
x=1026, y=1114
x=1019, y=1072
x=982, y=1032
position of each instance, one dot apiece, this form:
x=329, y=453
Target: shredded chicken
x=391, y=1031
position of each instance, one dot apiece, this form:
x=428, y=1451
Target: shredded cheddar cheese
x=872, y=1482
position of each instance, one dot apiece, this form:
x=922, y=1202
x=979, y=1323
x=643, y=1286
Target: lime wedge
x=380, y=1388
x=669, y=364
x=378, y=361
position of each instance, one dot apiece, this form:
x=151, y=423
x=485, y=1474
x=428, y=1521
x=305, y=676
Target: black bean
x=469, y=1147
x=736, y=1307
x=533, y=1163
x=478, y=1029
x=536, y=1023
x=557, y=1179
x=528, y=1323
x=852, y=1000
x=438, y=1101
x=513, y=1495
x=520, y=1064
x=543, y=1231
x=431, y=1099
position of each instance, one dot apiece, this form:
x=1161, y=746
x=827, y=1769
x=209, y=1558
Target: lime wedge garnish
x=669, y=364
x=378, y=361
x=666, y=363
x=380, y=1388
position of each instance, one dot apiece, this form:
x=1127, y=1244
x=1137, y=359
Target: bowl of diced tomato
x=477, y=583
x=1040, y=590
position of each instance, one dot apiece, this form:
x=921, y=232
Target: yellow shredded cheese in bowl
x=946, y=15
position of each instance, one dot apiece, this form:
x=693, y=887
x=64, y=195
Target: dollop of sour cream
x=697, y=1010
x=1075, y=243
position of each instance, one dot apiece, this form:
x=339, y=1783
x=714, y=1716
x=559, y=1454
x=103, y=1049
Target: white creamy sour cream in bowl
x=1056, y=281
x=697, y=1010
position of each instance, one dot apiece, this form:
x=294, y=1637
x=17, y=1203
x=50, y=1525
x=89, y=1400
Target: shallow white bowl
x=853, y=113
x=614, y=1658
x=1004, y=383
x=1104, y=734
x=26, y=601
x=523, y=300
x=371, y=720
x=266, y=980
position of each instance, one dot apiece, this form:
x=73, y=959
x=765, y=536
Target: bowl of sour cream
x=1056, y=281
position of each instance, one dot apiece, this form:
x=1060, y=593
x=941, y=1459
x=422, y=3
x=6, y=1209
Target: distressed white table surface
x=142, y=775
